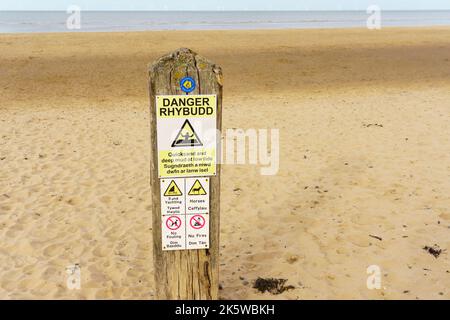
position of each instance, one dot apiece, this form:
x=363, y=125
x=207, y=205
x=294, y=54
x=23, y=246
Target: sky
x=224, y=4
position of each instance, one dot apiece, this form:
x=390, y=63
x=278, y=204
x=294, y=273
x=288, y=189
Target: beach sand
x=364, y=120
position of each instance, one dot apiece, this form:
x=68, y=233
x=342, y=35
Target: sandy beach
x=364, y=177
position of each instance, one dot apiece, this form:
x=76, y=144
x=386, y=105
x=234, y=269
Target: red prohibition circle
x=197, y=222
x=173, y=222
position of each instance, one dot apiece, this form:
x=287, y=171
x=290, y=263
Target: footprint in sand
x=445, y=216
x=105, y=199
x=101, y=251
x=53, y=250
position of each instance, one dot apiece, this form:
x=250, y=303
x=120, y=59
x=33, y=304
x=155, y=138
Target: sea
x=110, y=21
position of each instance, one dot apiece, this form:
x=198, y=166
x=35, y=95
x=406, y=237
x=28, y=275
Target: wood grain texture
x=185, y=274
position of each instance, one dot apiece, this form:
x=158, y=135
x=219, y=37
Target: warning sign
x=186, y=135
x=197, y=199
x=197, y=189
x=197, y=232
x=173, y=190
x=173, y=232
x=185, y=214
x=172, y=197
x=173, y=223
x=197, y=222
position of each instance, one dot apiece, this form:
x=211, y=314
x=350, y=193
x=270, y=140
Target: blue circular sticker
x=187, y=84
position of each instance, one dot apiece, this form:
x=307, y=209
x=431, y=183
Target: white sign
x=185, y=213
x=172, y=197
x=174, y=232
x=186, y=135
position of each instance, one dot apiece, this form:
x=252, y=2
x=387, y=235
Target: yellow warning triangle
x=173, y=190
x=197, y=189
x=186, y=137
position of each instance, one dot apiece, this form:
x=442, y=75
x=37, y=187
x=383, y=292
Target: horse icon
x=196, y=190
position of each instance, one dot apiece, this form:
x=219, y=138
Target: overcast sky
x=224, y=4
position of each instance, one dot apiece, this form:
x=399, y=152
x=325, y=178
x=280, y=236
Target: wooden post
x=185, y=274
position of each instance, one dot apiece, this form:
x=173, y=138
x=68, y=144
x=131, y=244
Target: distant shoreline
x=122, y=21
x=68, y=32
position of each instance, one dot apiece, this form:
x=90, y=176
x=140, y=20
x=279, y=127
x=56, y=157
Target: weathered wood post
x=185, y=114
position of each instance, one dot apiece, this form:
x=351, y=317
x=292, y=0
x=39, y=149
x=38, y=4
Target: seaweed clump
x=274, y=286
x=435, y=250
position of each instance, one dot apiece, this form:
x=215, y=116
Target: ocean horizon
x=110, y=21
